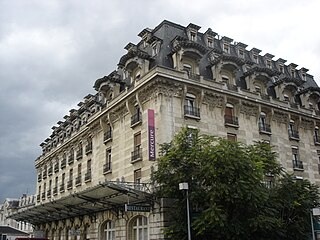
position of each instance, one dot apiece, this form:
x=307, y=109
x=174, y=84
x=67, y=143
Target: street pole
x=312, y=228
x=185, y=186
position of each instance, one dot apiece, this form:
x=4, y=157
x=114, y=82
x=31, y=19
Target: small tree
x=235, y=190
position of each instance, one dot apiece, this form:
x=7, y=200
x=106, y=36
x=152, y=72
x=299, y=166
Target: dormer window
x=193, y=36
x=268, y=63
x=241, y=53
x=154, y=50
x=187, y=68
x=286, y=97
x=311, y=106
x=210, y=42
x=293, y=72
x=281, y=68
x=257, y=89
x=137, y=75
x=255, y=58
x=226, y=48
x=304, y=76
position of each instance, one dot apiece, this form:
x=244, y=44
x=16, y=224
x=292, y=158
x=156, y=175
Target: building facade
x=94, y=172
x=11, y=206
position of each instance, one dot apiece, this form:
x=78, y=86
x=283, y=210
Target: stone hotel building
x=93, y=177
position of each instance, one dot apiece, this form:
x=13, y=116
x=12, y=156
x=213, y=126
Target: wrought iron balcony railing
x=293, y=134
x=297, y=164
x=191, y=111
x=135, y=119
x=230, y=120
x=264, y=128
x=136, y=155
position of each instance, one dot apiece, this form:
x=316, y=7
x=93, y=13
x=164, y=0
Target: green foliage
x=236, y=191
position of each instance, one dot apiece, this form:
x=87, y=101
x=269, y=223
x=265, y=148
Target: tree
x=236, y=191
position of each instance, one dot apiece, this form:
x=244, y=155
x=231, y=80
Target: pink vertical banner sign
x=151, y=136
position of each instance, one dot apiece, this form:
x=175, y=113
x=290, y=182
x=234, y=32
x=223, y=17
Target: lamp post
x=185, y=186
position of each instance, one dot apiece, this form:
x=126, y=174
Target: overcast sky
x=51, y=52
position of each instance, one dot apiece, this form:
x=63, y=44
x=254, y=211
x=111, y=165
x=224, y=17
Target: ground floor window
x=109, y=231
x=140, y=228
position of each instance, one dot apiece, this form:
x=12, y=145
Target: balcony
x=107, y=136
x=69, y=184
x=106, y=168
x=62, y=187
x=136, y=155
x=89, y=148
x=265, y=129
x=78, y=180
x=231, y=121
x=293, y=135
x=79, y=154
x=316, y=140
x=190, y=111
x=136, y=119
x=297, y=165
x=87, y=177
x=63, y=163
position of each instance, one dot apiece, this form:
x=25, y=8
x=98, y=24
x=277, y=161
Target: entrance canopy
x=105, y=196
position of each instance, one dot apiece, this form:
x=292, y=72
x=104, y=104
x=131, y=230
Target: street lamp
x=185, y=186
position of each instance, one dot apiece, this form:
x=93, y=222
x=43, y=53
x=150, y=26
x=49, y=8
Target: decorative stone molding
x=160, y=86
x=213, y=100
x=249, y=109
x=118, y=112
x=307, y=124
x=280, y=117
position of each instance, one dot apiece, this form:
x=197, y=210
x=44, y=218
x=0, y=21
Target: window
x=137, y=176
x=137, y=75
x=55, y=189
x=78, y=178
x=226, y=48
x=109, y=231
x=137, y=152
x=257, y=88
x=230, y=119
x=281, y=68
x=107, y=165
x=108, y=134
x=193, y=36
x=293, y=72
x=69, y=184
x=263, y=126
x=297, y=164
x=190, y=108
x=140, y=228
x=87, y=176
x=136, y=117
x=316, y=136
x=293, y=133
x=304, y=76
x=154, y=50
x=318, y=153
x=286, y=98
x=255, y=58
x=225, y=78
x=188, y=69
x=268, y=63
x=232, y=137
x=210, y=42
x=241, y=53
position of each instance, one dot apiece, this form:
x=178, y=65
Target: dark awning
x=105, y=196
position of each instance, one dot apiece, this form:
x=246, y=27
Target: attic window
x=241, y=53
x=210, y=42
x=286, y=97
x=193, y=36
x=268, y=63
x=293, y=72
x=154, y=50
x=255, y=58
x=304, y=76
x=138, y=75
x=281, y=68
x=226, y=48
x=258, y=89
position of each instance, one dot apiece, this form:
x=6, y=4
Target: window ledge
x=265, y=132
x=136, y=124
x=192, y=116
x=107, y=172
x=136, y=160
x=107, y=140
x=231, y=125
x=295, y=139
x=298, y=169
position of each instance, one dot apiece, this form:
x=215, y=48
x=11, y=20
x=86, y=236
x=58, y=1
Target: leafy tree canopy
x=236, y=191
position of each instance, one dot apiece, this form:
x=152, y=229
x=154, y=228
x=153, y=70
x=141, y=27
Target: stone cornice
x=133, y=52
